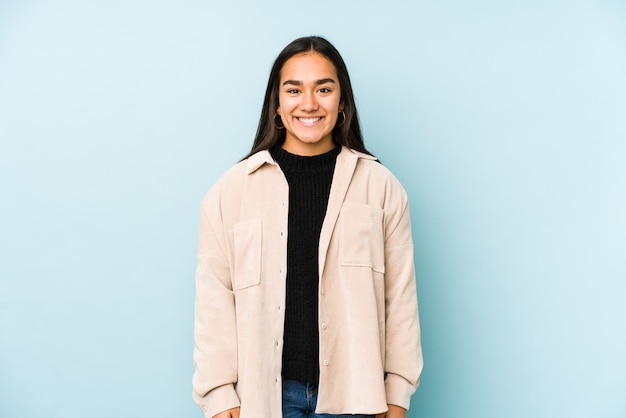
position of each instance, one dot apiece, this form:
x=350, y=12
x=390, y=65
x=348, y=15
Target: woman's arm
x=403, y=353
x=215, y=327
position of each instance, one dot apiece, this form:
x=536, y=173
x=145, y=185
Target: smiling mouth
x=309, y=121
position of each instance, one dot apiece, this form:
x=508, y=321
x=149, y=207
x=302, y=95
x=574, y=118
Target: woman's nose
x=308, y=103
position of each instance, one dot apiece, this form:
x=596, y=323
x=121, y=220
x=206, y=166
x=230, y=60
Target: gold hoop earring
x=343, y=122
x=277, y=126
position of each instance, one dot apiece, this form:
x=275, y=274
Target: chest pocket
x=362, y=237
x=247, y=249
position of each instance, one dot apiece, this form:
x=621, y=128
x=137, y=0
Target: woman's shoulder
x=371, y=164
x=240, y=170
x=235, y=176
x=376, y=176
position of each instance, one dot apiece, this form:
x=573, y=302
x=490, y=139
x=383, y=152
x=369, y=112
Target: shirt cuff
x=399, y=390
x=218, y=400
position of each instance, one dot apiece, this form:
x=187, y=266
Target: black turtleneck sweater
x=309, y=180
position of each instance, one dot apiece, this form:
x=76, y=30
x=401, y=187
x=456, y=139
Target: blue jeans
x=300, y=399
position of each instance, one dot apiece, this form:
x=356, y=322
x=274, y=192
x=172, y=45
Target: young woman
x=305, y=287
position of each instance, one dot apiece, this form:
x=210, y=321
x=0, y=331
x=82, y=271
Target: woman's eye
x=324, y=90
x=292, y=91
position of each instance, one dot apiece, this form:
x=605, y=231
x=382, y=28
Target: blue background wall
x=505, y=120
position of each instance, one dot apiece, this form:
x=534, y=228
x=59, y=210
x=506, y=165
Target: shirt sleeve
x=403, y=353
x=215, y=326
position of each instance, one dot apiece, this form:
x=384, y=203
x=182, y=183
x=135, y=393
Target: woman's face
x=309, y=102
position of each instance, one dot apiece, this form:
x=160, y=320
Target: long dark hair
x=348, y=134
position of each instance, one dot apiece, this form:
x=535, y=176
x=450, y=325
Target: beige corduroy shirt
x=370, y=352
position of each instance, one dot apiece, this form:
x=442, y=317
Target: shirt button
x=322, y=291
x=325, y=362
x=323, y=325
x=276, y=344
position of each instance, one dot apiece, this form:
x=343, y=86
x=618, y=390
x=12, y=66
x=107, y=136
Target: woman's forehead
x=308, y=66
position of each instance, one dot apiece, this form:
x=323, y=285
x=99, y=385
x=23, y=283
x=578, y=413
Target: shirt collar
x=260, y=158
x=255, y=161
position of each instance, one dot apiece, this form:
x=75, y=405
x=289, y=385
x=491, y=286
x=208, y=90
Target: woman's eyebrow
x=324, y=81
x=299, y=83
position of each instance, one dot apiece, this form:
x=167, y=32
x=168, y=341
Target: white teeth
x=309, y=120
